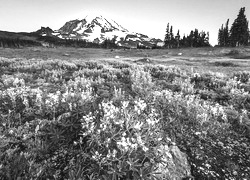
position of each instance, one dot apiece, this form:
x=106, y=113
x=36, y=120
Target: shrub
x=93, y=120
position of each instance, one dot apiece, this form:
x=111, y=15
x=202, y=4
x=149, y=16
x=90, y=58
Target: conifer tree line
x=238, y=34
x=194, y=39
x=6, y=42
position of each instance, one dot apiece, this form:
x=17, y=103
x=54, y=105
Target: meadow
x=121, y=114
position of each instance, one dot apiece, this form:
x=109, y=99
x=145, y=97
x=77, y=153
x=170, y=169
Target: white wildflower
x=125, y=104
x=138, y=125
x=145, y=148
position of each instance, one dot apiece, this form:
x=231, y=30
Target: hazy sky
x=149, y=17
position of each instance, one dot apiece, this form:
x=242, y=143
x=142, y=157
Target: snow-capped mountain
x=98, y=28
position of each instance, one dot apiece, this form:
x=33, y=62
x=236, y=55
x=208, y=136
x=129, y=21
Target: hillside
x=98, y=28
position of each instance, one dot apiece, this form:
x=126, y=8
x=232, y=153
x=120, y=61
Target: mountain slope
x=99, y=28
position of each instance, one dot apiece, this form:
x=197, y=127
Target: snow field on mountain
x=96, y=28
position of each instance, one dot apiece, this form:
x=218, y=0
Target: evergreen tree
x=202, y=39
x=239, y=33
x=196, y=38
x=248, y=34
x=221, y=36
x=167, y=37
x=172, y=39
x=109, y=43
x=177, y=39
x=191, y=39
x=226, y=34
x=183, y=41
x=207, y=39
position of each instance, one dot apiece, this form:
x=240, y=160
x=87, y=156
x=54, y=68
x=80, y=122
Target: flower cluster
x=55, y=111
x=140, y=106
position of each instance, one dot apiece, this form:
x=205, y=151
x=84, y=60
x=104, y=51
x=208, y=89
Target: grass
x=225, y=60
x=62, y=108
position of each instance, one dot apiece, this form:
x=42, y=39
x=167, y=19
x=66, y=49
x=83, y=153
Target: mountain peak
x=97, y=28
x=90, y=17
x=91, y=24
x=106, y=23
x=45, y=31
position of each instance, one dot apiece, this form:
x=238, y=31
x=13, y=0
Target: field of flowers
x=120, y=121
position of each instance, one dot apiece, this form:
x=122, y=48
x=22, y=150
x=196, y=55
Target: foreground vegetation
x=114, y=120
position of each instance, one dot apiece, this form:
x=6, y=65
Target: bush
x=92, y=120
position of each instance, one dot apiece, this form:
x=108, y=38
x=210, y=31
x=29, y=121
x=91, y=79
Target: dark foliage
x=239, y=33
x=6, y=42
x=194, y=39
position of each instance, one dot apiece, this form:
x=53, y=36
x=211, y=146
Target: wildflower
x=125, y=104
x=109, y=154
x=81, y=139
x=152, y=121
x=220, y=143
x=119, y=121
x=168, y=139
x=196, y=75
x=159, y=139
x=39, y=97
x=96, y=155
x=138, y=125
x=139, y=140
x=37, y=128
x=110, y=110
x=114, y=153
x=58, y=93
x=103, y=126
x=134, y=146
x=140, y=106
x=123, y=144
x=70, y=106
x=145, y=148
x=25, y=136
x=197, y=133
